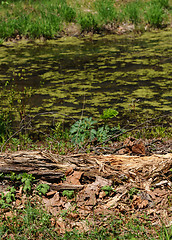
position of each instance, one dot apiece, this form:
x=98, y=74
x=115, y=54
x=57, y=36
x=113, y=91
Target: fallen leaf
x=60, y=226
x=115, y=199
x=102, y=194
x=69, y=171
x=74, y=178
x=51, y=193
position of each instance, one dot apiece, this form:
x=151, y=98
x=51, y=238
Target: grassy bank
x=50, y=18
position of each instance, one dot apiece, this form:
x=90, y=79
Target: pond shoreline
x=53, y=19
x=124, y=29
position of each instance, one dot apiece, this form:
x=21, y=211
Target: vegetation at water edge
x=50, y=18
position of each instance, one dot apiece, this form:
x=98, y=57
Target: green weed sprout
x=42, y=188
x=107, y=189
x=7, y=198
x=68, y=193
x=27, y=180
x=83, y=130
x=109, y=113
x=133, y=191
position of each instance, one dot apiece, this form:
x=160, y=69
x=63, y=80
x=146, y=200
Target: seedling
x=107, y=189
x=42, y=188
x=68, y=193
x=7, y=198
x=133, y=191
x=1, y=175
x=27, y=180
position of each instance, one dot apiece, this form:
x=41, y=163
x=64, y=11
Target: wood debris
x=136, y=184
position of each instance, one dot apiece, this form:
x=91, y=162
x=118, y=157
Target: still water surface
x=94, y=73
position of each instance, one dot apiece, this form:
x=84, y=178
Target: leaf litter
x=138, y=185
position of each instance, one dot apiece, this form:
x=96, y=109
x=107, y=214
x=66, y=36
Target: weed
x=63, y=178
x=87, y=21
x=165, y=233
x=5, y=126
x=42, y=189
x=68, y=193
x=155, y=14
x=109, y=113
x=82, y=131
x=133, y=12
x=23, y=179
x=27, y=179
x=105, y=10
x=8, y=197
x=1, y=41
x=59, y=140
x=107, y=189
x=132, y=192
x=69, y=14
x=1, y=175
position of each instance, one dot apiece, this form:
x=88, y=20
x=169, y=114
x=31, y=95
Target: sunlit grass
x=47, y=18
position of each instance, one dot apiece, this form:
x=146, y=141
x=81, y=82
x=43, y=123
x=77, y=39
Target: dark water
x=70, y=74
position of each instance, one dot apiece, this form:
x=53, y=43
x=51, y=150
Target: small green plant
x=10, y=196
x=64, y=213
x=105, y=132
x=107, y=189
x=24, y=178
x=67, y=12
x=109, y=113
x=27, y=179
x=7, y=198
x=133, y=11
x=63, y=178
x=68, y=193
x=1, y=175
x=155, y=14
x=82, y=131
x=1, y=41
x=165, y=233
x=5, y=126
x=5, y=3
x=105, y=10
x=133, y=191
x=87, y=21
x=42, y=188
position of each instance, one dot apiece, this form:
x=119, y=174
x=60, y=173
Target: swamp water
x=92, y=73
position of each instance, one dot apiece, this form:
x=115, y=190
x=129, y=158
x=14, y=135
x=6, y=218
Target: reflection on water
x=68, y=74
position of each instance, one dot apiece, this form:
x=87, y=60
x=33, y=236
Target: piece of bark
x=65, y=187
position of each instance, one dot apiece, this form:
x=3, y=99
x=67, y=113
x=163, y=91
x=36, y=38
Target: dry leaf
x=74, y=178
x=51, y=193
x=60, y=226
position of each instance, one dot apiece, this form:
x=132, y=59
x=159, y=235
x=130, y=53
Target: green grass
x=48, y=18
x=33, y=222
